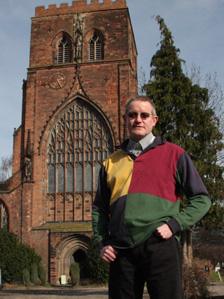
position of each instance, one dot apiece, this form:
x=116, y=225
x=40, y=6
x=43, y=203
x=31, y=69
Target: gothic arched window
x=79, y=141
x=3, y=216
x=64, y=50
x=96, y=46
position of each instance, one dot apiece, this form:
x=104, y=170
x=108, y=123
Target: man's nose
x=138, y=118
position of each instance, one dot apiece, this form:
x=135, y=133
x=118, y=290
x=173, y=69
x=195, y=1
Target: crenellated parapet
x=78, y=6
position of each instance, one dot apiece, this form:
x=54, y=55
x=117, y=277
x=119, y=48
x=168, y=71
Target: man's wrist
x=174, y=225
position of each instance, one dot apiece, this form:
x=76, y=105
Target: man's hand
x=164, y=231
x=108, y=254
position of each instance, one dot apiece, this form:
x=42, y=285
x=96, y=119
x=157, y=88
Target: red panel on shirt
x=154, y=172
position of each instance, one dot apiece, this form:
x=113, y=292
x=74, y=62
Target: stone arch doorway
x=70, y=250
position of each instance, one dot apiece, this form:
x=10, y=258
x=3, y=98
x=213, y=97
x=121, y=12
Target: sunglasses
x=143, y=115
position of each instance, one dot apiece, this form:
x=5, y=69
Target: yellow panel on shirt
x=119, y=167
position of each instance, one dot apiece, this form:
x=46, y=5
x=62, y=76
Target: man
x=137, y=212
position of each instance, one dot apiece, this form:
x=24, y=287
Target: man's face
x=140, y=120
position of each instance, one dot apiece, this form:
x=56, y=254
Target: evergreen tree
x=185, y=116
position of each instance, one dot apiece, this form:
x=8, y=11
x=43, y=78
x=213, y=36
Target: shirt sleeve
x=101, y=210
x=197, y=202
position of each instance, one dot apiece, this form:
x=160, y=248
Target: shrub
x=75, y=274
x=26, y=277
x=94, y=268
x=34, y=276
x=42, y=274
x=212, y=252
x=195, y=280
x=15, y=257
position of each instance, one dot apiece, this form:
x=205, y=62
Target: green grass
x=214, y=277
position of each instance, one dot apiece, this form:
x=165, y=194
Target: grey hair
x=142, y=99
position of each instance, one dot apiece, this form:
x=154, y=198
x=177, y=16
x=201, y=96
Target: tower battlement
x=79, y=6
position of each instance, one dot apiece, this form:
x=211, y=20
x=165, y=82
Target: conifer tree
x=185, y=116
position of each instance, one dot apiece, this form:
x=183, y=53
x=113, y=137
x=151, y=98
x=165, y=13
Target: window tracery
x=96, y=46
x=79, y=142
x=64, y=50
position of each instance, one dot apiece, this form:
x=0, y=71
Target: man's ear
x=156, y=119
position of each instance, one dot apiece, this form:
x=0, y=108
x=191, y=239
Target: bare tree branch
x=216, y=98
x=5, y=168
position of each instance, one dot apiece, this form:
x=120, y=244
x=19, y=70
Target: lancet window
x=96, y=46
x=64, y=50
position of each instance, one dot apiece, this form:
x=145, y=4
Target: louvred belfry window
x=96, y=47
x=64, y=50
x=79, y=142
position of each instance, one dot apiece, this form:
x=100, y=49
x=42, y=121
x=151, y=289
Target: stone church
x=82, y=69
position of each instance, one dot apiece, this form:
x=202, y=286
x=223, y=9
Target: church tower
x=82, y=70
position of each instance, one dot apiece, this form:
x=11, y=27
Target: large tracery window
x=96, y=46
x=64, y=50
x=79, y=142
x=3, y=216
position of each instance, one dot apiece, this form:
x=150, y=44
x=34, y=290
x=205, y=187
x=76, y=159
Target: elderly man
x=137, y=212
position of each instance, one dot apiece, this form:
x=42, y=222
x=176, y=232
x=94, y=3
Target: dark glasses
x=143, y=115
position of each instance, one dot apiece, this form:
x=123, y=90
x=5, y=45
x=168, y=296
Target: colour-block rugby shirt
x=137, y=194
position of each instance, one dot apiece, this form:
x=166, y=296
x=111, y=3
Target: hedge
x=15, y=258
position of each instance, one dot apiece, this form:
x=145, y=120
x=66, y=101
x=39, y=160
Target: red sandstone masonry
x=79, y=6
x=107, y=85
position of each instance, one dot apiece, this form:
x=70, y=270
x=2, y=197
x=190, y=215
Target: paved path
x=216, y=290
x=53, y=293
x=56, y=293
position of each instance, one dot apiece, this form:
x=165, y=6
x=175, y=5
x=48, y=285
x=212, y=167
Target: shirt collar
x=146, y=141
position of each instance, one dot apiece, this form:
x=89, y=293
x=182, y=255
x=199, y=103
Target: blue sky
x=197, y=27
